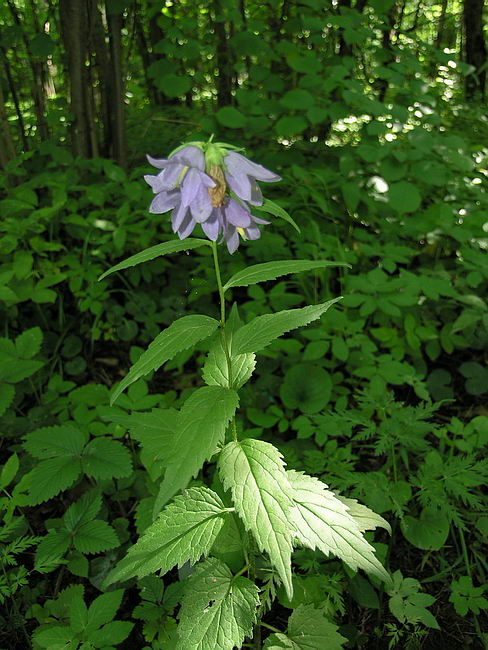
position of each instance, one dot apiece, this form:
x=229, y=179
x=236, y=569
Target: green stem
x=270, y=627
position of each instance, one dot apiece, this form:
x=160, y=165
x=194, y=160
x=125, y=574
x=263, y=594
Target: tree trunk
x=15, y=99
x=38, y=77
x=475, y=49
x=7, y=148
x=117, y=113
x=223, y=58
x=74, y=34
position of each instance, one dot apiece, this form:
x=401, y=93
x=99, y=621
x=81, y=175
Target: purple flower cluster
x=217, y=196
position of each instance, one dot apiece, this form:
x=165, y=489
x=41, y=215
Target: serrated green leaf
x=95, y=536
x=51, y=549
x=254, y=472
x=9, y=470
x=7, y=394
x=308, y=629
x=365, y=518
x=184, y=531
x=184, y=333
x=154, y=431
x=272, y=270
x=320, y=520
x=104, y=458
x=111, y=634
x=52, y=476
x=85, y=509
x=29, y=343
x=218, y=610
x=216, y=369
x=78, y=615
x=149, y=254
x=202, y=424
x=56, y=637
x=270, y=207
x=262, y=330
x=50, y=442
x=103, y=608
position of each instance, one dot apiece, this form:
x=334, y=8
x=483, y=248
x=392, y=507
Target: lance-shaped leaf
x=216, y=368
x=218, y=610
x=270, y=207
x=365, y=518
x=154, y=431
x=184, y=333
x=272, y=270
x=308, y=629
x=255, y=473
x=201, y=428
x=263, y=329
x=184, y=531
x=156, y=251
x=320, y=520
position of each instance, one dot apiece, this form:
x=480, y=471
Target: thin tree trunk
x=38, y=76
x=439, y=39
x=390, y=17
x=15, y=99
x=119, y=152
x=7, y=147
x=102, y=67
x=74, y=34
x=223, y=82
x=475, y=49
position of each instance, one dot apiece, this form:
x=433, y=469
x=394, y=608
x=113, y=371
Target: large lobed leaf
x=184, y=333
x=173, y=246
x=184, y=531
x=218, y=610
x=320, y=520
x=262, y=330
x=272, y=270
x=201, y=428
x=254, y=472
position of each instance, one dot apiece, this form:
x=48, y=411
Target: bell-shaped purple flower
x=214, y=189
x=241, y=175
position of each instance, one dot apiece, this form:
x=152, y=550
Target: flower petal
x=232, y=240
x=186, y=227
x=237, y=215
x=160, y=163
x=164, y=201
x=178, y=215
x=189, y=186
x=237, y=164
x=211, y=227
x=201, y=205
x=191, y=157
x=240, y=185
x=256, y=197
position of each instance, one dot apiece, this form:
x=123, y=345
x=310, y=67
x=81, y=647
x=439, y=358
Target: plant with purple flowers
x=212, y=185
x=261, y=510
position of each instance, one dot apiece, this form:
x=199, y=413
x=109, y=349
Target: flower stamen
x=217, y=193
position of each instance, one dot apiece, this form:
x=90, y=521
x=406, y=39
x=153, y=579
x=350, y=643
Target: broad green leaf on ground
x=184, y=333
x=28, y=344
x=263, y=329
x=270, y=207
x=104, y=607
x=59, y=449
x=201, y=428
x=272, y=270
x=308, y=629
x=9, y=470
x=218, y=610
x=320, y=520
x=429, y=532
x=365, y=518
x=254, y=472
x=104, y=458
x=85, y=509
x=95, y=536
x=306, y=387
x=149, y=254
x=49, y=442
x=184, y=531
x=56, y=637
x=154, y=431
x=216, y=369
